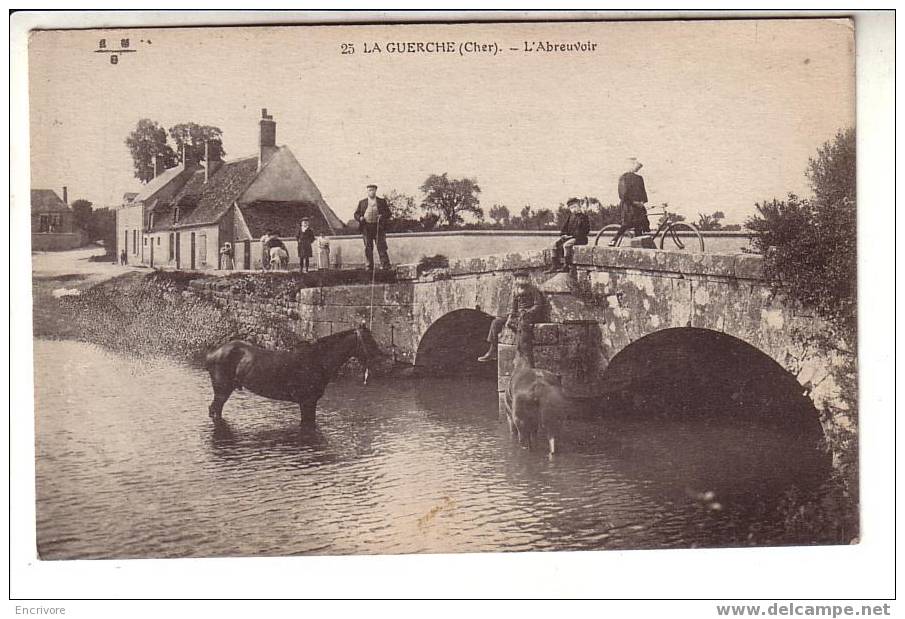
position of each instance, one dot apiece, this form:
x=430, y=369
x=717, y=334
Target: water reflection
x=129, y=464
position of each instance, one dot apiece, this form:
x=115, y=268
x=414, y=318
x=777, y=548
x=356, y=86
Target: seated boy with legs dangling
x=527, y=307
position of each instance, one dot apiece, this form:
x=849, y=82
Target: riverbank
x=140, y=312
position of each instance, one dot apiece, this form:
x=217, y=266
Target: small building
x=53, y=222
x=192, y=214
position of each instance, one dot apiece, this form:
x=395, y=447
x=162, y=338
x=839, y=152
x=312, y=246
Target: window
x=44, y=223
x=135, y=242
x=158, y=241
x=172, y=246
x=151, y=220
x=176, y=214
x=54, y=221
x=202, y=249
x=145, y=241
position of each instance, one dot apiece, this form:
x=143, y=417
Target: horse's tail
x=553, y=405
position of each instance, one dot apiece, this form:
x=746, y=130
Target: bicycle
x=667, y=228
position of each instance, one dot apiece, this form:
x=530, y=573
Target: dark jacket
x=305, y=239
x=631, y=189
x=577, y=225
x=531, y=302
x=383, y=210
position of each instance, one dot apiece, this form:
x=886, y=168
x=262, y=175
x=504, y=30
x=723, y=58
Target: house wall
x=161, y=242
x=206, y=253
x=65, y=221
x=129, y=222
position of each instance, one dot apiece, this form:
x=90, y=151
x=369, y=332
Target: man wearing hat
x=575, y=230
x=373, y=216
x=632, y=197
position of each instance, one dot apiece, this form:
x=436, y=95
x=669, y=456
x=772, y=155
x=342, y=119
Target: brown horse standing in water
x=300, y=375
x=535, y=400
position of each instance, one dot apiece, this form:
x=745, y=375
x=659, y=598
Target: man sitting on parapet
x=527, y=307
x=574, y=232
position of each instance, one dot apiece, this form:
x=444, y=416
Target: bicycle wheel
x=685, y=229
x=610, y=228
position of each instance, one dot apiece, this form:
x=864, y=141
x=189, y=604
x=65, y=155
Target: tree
x=193, y=136
x=810, y=246
x=103, y=228
x=429, y=221
x=832, y=172
x=402, y=212
x=542, y=218
x=499, y=213
x=562, y=213
x=710, y=222
x=451, y=198
x=81, y=214
x=601, y=216
x=147, y=141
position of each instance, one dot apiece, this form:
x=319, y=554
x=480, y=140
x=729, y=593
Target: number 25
x=347, y=48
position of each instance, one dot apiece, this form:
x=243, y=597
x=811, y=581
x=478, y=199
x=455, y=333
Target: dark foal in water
x=535, y=400
x=300, y=375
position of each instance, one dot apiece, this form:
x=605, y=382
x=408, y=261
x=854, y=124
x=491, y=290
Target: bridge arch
x=687, y=371
x=453, y=342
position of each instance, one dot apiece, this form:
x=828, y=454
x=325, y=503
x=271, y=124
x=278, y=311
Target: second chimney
x=65, y=195
x=268, y=138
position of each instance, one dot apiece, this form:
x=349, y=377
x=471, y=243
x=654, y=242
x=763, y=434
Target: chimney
x=155, y=166
x=65, y=195
x=211, y=160
x=268, y=138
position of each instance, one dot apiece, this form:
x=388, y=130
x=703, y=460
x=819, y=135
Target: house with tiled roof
x=236, y=202
x=132, y=216
x=53, y=222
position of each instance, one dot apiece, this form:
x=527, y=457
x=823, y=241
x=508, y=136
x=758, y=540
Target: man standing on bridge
x=373, y=216
x=632, y=197
x=527, y=307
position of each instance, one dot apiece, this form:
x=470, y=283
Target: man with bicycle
x=632, y=199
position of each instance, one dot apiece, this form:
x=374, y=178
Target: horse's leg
x=515, y=414
x=221, y=395
x=223, y=388
x=308, y=411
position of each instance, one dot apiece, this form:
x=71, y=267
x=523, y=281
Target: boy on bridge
x=527, y=307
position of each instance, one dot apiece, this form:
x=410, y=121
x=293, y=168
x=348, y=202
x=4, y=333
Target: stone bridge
x=626, y=316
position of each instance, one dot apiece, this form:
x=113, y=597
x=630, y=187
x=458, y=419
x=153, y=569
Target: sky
x=723, y=114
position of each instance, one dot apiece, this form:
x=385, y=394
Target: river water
x=128, y=464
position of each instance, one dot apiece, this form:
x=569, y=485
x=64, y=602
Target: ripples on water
x=129, y=465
